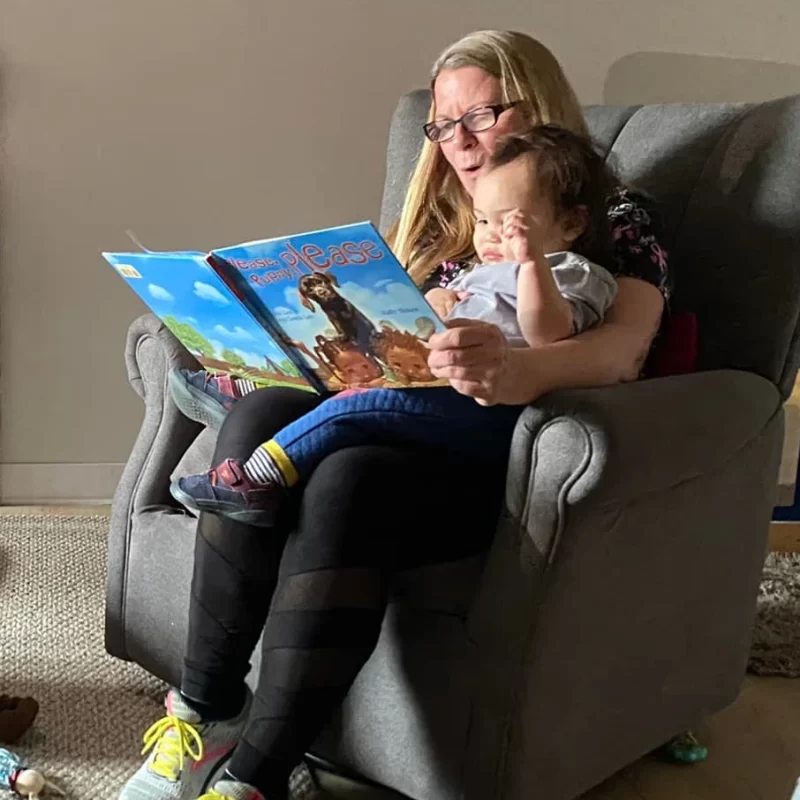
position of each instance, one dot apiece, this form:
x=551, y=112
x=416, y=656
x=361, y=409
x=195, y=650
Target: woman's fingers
x=487, y=355
x=479, y=358
x=481, y=393
x=463, y=333
x=472, y=356
x=465, y=372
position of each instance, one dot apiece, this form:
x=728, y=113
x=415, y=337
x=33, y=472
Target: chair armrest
x=619, y=593
x=642, y=437
x=148, y=347
x=151, y=352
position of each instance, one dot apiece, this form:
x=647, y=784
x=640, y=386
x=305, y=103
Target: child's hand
x=444, y=301
x=523, y=235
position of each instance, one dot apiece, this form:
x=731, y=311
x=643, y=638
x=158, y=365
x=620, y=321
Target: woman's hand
x=443, y=301
x=477, y=360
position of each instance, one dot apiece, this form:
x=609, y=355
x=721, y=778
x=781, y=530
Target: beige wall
x=199, y=123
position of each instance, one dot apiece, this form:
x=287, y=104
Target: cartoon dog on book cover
x=357, y=352
x=343, y=303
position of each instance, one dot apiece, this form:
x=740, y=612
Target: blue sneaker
x=228, y=492
x=202, y=397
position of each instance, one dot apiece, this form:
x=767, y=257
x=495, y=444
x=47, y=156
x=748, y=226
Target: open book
x=324, y=310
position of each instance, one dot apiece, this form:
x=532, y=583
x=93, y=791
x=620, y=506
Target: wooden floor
x=754, y=754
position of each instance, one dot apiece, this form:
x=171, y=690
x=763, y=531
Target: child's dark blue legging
x=433, y=417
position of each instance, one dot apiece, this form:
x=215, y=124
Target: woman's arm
x=477, y=360
x=612, y=353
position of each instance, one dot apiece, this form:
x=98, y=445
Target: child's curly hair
x=574, y=174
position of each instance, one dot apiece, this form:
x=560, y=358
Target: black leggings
x=317, y=583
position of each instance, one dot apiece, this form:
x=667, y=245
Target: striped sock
x=234, y=387
x=262, y=468
x=245, y=386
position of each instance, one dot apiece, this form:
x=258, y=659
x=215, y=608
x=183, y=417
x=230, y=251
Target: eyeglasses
x=479, y=119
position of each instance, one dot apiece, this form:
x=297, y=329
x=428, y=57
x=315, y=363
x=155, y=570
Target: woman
x=328, y=602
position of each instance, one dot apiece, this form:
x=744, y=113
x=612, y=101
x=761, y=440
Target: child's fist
x=523, y=236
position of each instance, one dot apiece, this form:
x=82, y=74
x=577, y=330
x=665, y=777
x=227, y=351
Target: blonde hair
x=436, y=223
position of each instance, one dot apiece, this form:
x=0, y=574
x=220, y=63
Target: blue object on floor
x=683, y=749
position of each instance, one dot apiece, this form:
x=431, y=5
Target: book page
x=200, y=310
x=345, y=303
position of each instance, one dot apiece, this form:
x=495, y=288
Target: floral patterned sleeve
x=638, y=240
x=444, y=274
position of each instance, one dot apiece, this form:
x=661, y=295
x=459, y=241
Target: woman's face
x=457, y=91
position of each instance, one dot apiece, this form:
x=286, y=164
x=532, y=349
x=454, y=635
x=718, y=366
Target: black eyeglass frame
x=497, y=109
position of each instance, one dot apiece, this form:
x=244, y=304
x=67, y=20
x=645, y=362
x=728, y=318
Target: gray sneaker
x=184, y=752
x=202, y=397
x=232, y=790
x=303, y=784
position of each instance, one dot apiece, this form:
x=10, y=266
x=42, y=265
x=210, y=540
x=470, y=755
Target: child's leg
x=435, y=418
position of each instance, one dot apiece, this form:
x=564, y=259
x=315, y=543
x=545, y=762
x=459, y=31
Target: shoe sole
x=195, y=404
x=254, y=518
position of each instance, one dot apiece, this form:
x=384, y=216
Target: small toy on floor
x=16, y=716
x=22, y=780
x=683, y=749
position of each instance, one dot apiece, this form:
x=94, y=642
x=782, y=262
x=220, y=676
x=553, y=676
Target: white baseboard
x=63, y=484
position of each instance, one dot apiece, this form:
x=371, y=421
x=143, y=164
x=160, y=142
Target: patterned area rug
x=93, y=708
x=776, y=639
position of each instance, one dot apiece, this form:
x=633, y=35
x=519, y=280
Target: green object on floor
x=684, y=749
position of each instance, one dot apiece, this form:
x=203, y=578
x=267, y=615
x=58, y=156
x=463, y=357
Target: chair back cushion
x=726, y=178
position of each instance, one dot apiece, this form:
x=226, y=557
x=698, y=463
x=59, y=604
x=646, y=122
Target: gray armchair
x=615, y=606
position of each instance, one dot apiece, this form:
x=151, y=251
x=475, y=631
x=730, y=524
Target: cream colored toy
x=25, y=782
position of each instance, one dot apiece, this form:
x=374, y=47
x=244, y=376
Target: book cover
x=199, y=308
x=341, y=299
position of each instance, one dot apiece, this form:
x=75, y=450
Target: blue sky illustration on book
x=367, y=274
x=193, y=301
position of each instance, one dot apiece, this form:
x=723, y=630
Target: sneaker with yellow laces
x=183, y=752
x=232, y=790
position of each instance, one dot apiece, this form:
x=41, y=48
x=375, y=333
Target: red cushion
x=676, y=351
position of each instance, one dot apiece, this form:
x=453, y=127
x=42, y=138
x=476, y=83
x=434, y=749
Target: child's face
x=409, y=363
x=356, y=368
x=502, y=190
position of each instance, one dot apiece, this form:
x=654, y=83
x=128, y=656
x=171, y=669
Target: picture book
x=195, y=304
x=325, y=310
